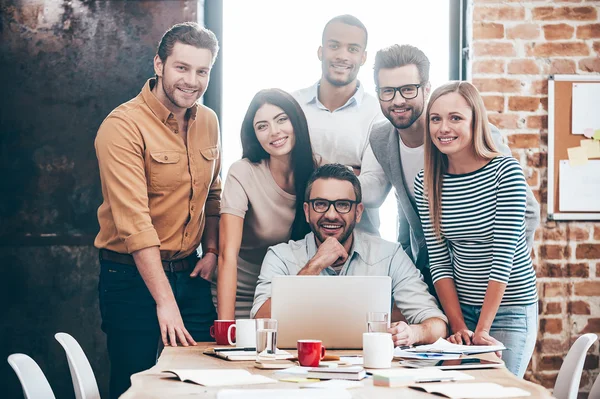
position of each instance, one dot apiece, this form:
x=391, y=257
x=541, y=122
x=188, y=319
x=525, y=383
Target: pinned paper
x=596, y=135
x=577, y=156
x=592, y=148
x=584, y=107
x=589, y=132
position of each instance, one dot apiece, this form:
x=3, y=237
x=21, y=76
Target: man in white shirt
x=403, y=88
x=339, y=113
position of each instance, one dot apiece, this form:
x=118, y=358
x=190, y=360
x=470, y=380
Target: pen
x=450, y=379
x=247, y=349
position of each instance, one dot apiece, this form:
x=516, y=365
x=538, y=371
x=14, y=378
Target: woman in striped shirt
x=471, y=202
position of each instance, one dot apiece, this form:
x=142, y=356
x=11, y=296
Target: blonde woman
x=471, y=202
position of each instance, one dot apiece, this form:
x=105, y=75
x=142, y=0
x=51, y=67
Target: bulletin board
x=560, y=140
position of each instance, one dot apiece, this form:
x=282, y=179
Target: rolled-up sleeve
x=272, y=266
x=119, y=149
x=410, y=292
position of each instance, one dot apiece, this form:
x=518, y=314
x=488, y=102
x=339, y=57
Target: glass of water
x=378, y=322
x=266, y=339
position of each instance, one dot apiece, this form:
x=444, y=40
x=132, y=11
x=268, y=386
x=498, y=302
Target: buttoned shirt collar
x=159, y=108
x=313, y=97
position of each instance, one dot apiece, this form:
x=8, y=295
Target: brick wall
x=516, y=45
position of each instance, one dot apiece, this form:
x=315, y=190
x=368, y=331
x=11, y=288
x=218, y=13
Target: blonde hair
x=436, y=162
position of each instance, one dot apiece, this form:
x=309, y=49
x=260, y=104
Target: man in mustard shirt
x=159, y=163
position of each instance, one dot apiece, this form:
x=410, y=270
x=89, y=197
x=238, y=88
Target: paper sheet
x=473, y=390
x=579, y=187
x=402, y=353
x=283, y=393
x=220, y=377
x=443, y=346
x=586, y=97
x=340, y=384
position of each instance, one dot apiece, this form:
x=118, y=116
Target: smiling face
x=402, y=113
x=332, y=223
x=274, y=130
x=342, y=53
x=183, y=76
x=450, y=125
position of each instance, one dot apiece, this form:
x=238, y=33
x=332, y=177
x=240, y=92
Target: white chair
x=33, y=381
x=595, y=391
x=84, y=381
x=569, y=375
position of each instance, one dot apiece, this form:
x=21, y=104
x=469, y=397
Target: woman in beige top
x=259, y=206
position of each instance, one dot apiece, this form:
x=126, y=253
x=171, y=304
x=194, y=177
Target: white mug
x=245, y=333
x=378, y=350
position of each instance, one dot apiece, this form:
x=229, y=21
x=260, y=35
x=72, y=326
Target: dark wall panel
x=64, y=65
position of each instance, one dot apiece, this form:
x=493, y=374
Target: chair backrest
x=569, y=376
x=34, y=382
x=84, y=381
x=595, y=391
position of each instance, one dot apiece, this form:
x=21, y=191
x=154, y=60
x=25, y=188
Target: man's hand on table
x=402, y=334
x=171, y=325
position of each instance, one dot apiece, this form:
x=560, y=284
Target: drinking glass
x=266, y=339
x=378, y=322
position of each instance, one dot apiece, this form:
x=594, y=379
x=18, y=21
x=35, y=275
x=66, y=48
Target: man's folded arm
x=272, y=266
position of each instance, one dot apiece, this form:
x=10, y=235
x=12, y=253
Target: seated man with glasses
x=333, y=247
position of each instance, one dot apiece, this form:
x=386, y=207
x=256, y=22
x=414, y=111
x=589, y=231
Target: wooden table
x=153, y=383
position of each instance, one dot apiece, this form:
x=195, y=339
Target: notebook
x=219, y=377
x=242, y=354
x=354, y=373
x=472, y=390
x=443, y=346
x=402, y=377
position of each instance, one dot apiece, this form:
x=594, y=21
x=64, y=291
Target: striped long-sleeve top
x=482, y=233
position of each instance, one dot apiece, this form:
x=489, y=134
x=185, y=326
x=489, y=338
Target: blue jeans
x=516, y=327
x=130, y=322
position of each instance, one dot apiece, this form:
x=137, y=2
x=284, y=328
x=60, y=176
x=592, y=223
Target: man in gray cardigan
x=402, y=80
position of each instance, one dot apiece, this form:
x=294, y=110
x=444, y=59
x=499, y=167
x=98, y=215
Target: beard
x=415, y=113
x=338, y=82
x=171, y=90
x=346, y=232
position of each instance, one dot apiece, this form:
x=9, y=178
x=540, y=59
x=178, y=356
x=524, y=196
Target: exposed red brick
x=596, y=46
x=578, y=307
x=503, y=121
x=560, y=13
x=537, y=159
x=552, y=251
x=557, y=233
x=548, y=380
x=523, y=31
x=520, y=103
x=597, y=269
x=551, y=362
x=498, y=13
x=587, y=288
x=562, y=66
x=553, y=308
x=523, y=67
x=488, y=66
x=545, y=103
x=557, y=49
x=493, y=103
x=485, y=30
x=577, y=270
x=501, y=85
x=588, y=31
x=597, y=233
x=539, y=87
x=549, y=345
x=592, y=326
x=577, y=233
x=551, y=326
x=591, y=361
x=590, y=64
x=501, y=49
x=537, y=122
x=554, y=289
x=533, y=178
x=588, y=251
x=549, y=270
x=558, y=31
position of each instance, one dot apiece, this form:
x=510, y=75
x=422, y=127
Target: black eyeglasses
x=406, y=91
x=322, y=205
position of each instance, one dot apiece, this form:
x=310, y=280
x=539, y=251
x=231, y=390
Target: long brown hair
x=436, y=162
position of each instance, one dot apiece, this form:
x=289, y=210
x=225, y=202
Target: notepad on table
x=443, y=346
x=220, y=377
x=248, y=355
x=401, y=377
x=354, y=373
x=471, y=390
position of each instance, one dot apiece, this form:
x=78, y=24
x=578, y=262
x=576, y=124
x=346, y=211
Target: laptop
x=332, y=309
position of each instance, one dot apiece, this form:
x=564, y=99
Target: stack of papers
x=401, y=377
x=246, y=355
x=472, y=390
x=445, y=347
x=354, y=373
x=411, y=354
x=220, y=377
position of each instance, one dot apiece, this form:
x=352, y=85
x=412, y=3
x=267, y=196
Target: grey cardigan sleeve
x=532, y=211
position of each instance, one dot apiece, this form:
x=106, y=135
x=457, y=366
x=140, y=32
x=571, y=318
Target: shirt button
x=166, y=158
x=186, y=234
x=192, y=208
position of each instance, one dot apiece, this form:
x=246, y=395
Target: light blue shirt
x=370, y=256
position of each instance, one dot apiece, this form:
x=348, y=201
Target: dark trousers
x=130, y=322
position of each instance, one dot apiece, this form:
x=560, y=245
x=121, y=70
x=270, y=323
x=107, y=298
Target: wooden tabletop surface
x=152, y=383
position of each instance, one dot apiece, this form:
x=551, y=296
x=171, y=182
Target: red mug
x=219, y=331
x=310, y=352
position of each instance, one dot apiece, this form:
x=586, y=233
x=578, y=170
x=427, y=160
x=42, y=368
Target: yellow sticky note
x=596, y=135
x=592, y=148
x=577, y=156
